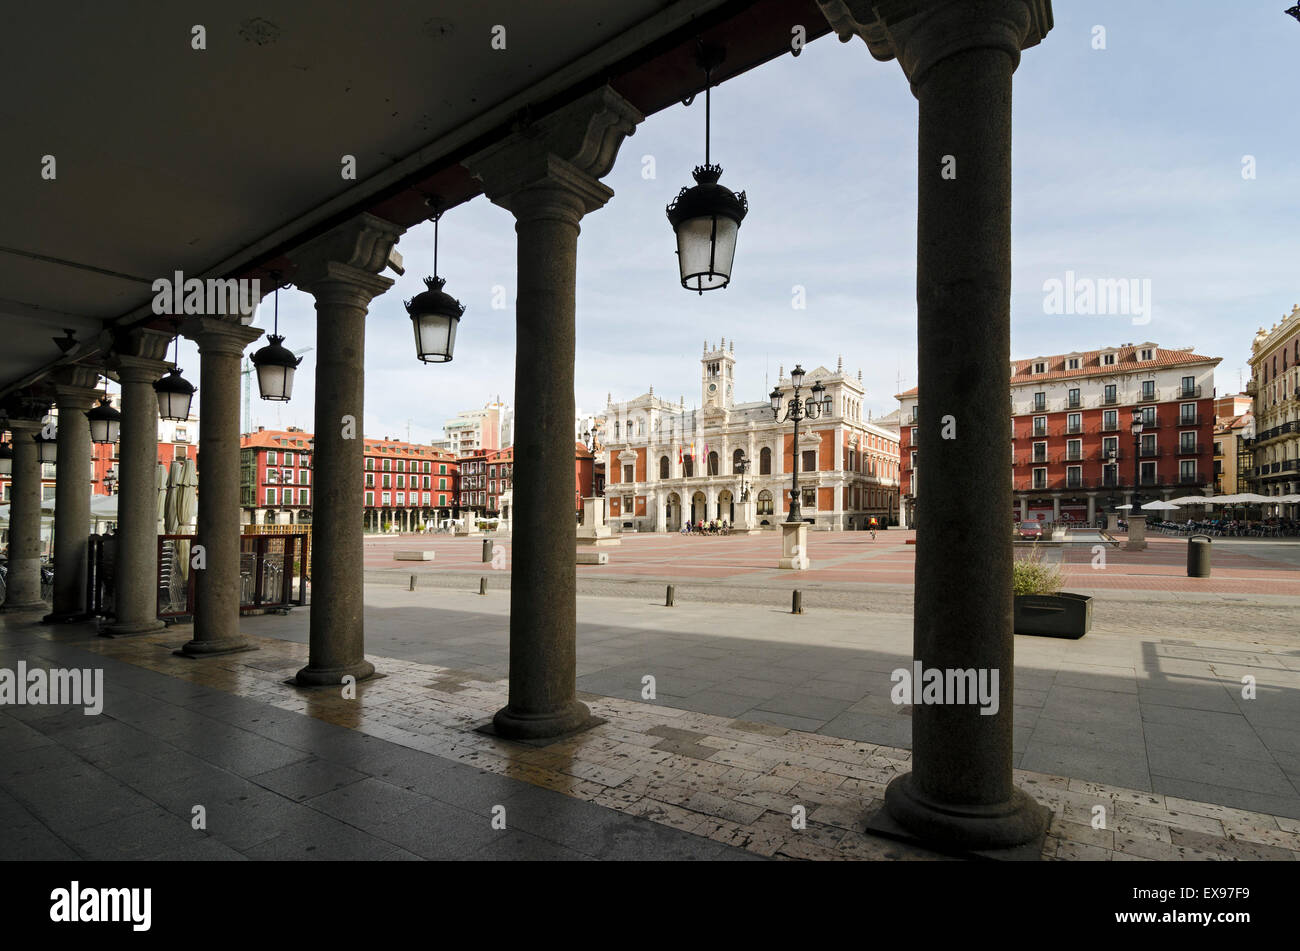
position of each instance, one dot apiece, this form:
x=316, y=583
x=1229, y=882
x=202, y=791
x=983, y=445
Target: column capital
x=552, y=166
x=336, y=283
x=74, y=397
x=920, y=33
x=354, y=252
x=132, y=369
x=24, y=425
x=143, y=342
x=219, y=335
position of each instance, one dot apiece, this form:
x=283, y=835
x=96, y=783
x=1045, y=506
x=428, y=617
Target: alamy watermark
x=935, y=685
x=1098, y=297
x=57, y=687
x=175, y=295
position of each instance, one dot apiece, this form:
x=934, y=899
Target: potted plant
x=1040, y=606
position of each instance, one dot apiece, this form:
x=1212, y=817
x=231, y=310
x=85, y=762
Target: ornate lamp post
x=1137, y=456
x=742, y=469
x=819, y=404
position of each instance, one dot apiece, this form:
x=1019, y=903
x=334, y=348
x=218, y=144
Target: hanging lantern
x=435, y=315
x=6, y=459
x=105, y=422
x=275, y=364
x=707, y=217
x=175, y=393
x=47, y=450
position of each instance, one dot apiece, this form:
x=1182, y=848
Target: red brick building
x=1072, y=450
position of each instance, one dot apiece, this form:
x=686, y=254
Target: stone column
x=1092, y=508
x=23, y=582
x=74, y=394
x=221, y=344
x=340, y=269
x=135, y=596
x=547, y=176
x=1056, y=508
x=959, y=58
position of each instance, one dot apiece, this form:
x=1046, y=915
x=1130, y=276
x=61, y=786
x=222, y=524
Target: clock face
x=713, y=387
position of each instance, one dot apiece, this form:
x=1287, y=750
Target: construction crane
x=246, y=373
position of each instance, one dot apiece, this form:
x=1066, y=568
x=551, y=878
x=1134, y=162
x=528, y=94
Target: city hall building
x=1072, y=442
x=666, y=464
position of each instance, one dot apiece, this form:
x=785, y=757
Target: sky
x=1170, y=156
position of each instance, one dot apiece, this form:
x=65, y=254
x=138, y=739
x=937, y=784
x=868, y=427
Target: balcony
x=1040, y=432
x=1149, y=396
x=1112, y=427
x=1192, y=479
x=1073, y=402
x=1150, y=452
x=1111, y=400
x=1189, y=419
x=1075, y=455
x=1150, y=478
x=1074, y=482
x=1040, y=406
x=1192, y=392
x=1188, y=449
x=1074, y=429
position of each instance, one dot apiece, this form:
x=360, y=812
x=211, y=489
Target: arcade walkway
x=401, y=772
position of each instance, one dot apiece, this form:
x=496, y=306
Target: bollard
x=668, y=598
x=796, y=603
x=1198, y=556
x=412, y=588
x=482, y=586
x=487, y=549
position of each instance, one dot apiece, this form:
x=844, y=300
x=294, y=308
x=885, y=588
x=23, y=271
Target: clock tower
x=717, y=375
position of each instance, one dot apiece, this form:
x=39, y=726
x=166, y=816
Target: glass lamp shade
x=707, y=221
x=435, y=316
x=797, y=375
x=47, y=450
x=105, y=422
x=175, y=393
x=776, y=400
x=1137, y=416
x=6, y=459
x=819, y=397
x=275, y=368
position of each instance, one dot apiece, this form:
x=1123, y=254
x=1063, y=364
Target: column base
x=211, y=648
x=311, y=676
x=11, y=608
x=1014, y=829
x=131, y=629
x=67, y=617
x=570, y=718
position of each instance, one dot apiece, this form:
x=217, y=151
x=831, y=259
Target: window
x=370, y=480
x=1109, y=420
x=401, y=481
x=1147, y=354
x=1218, y=448
x=1187, y=442
x=1187, y=414
x=388, y=465
x=303, y=477
x=1148, y=473
x=629, y=472
x=1149, y=417
x=442, y=500
x=303, y=497
x=1110, y=396
x=442, y=468
x=1189, y=386
x=288, y=496
x=1110, y=444
x=270, y=496
x=1074, y=423
x=1040, y=367
x=442, y=483
x=288, y=459
x=1148, y=444
x=713, y=463
x=663, y=467
x=271, y=457
x=370, y=500
x=370, y=462
x=1040, y=425
x=1187, y=471
x=1074, y=450
x=1148, y=390
x=286, y=476
x=1040, y=402
x=427, y=482
x=809, y=461
x=735, y=460
x=1040, y=478
x=1040, y=452
x=765, y=502
x=401, y=498
x=1075, y=397
x=387, y=498
x=629, y=505
x=1073, y=363
x=809, y=497
x=388, y=480
x=688, y=466
x=1073, y=477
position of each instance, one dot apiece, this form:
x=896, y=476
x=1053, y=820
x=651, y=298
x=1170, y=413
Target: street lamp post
x=742, y=469
x=1137, y=455
x=799, y=409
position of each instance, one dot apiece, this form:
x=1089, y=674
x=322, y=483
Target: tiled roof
x=1090, y=365
x=276, y=439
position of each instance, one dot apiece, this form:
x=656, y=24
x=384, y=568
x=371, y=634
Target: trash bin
x=487, y=549
x=1198, y=556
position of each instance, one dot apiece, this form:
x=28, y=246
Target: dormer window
x=1147, y=354
x=1072, y=363
x=1040, y=367
x=1108, y=359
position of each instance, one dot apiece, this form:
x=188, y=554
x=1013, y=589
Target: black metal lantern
x=435, y=315
x=275, y=364
x=776, y=399
x=47, y=450
x=175, y=393
x=105, y=422
x=707, y=217
x=6, y=459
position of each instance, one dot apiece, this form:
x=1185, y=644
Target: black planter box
x=1053, y=615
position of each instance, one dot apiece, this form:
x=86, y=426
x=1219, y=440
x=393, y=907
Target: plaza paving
x=756, y=711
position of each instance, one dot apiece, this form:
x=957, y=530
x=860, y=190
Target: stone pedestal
x=23, y=582
x=747, y=518
x=595, y=530
x=135, y=596
x=1137, y=533
x=340, y=270
x=216, y=568
x=1112, y=522
x=794, y=546
x=547, y=175
x=74, y=395
x=959, y=58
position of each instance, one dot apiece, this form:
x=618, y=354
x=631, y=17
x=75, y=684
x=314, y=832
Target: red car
x=1031, y=530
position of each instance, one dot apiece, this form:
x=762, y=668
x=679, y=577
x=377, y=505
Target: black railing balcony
x=1188, y=479
x=1111, y=427
x=1107, y=482
x=1110, y=400
x=1040, y=430
x=1075, y=455
x=1040, y=406
x=1187, y=449
x=1150, y=452
x=1039, y=459
x=1074, y=429
x=1073, y=402
x=1149, y=396
x=1152, y=423
x=1150, y=478
x=1189, y=419
x=1192, y=392
x=1074, y=482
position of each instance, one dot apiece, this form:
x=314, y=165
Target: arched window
x=765, y=461
x=735, y=460
x=615, y=430
x=663, y=467
x=713, y=463
x=765, y=502
x=688, y=466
